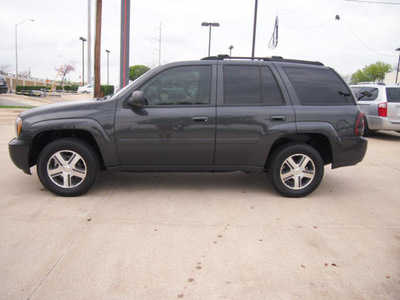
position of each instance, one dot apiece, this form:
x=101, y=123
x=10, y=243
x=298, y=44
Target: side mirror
x=136, y=99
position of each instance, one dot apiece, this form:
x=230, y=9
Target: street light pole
x=210, y=24
x=108, y=67
x=398, y=64
x=83, y=59
x=230, y=50
x=16, y=49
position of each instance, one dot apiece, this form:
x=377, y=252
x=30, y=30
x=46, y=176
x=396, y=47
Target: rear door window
x=271, y=93
x=242, y=85
x=318, y=87
x=251, y=85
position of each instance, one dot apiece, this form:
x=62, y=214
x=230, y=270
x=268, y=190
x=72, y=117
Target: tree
x=137, y=71
x=65, y=69
x=372, y=73
x=4, y=68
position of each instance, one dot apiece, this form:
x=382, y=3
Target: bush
x=71, y=88
x=107, y=90
x=20, y=88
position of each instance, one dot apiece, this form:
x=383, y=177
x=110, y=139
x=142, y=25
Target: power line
x=373, y=2
x=362, y=43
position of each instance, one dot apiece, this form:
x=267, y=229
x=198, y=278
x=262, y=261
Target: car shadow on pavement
x=385, y=135
x=234, y=181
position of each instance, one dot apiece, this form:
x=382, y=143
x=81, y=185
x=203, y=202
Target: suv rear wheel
x=68, y=167
x=295, y=170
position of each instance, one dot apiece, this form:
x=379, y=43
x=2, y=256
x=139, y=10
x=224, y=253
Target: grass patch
x=24, y=107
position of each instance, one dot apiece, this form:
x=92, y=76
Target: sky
x=368, y=31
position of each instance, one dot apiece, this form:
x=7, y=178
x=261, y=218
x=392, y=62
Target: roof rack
x=272, y=58
x=370, y=82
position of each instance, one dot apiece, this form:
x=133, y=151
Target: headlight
x=18, y=126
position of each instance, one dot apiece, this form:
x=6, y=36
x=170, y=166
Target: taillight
x=382, y=109
x=360, y=124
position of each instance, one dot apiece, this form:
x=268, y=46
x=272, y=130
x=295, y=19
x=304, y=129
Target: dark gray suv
x=287, y=118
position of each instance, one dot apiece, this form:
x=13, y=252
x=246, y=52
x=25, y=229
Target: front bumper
x=19, y=153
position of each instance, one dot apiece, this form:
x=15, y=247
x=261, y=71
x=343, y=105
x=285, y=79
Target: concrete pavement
x=203, y=236
x=20, y=100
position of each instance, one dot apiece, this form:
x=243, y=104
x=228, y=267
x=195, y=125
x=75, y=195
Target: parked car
x=86, y=89
x=3, y=85
x=380, y=103
x=287, y=118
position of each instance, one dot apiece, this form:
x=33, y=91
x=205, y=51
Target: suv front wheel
x=295, y=170
x=68, y=167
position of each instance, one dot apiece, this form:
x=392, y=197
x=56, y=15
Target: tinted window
x=366, y=93
x=319, y=86
x=242, y=85
x=179, y=86
x=271, y=93
x=393, y=94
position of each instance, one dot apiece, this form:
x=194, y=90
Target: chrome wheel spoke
x=297, y=171
x=55, y=172
x=66, y=169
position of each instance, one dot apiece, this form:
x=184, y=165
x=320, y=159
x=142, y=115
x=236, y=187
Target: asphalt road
x=203, y=236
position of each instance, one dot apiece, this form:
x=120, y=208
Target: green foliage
x=137, y=71
x=107, y=90
x=72, y=88
x=372, y=73
x=20, y=88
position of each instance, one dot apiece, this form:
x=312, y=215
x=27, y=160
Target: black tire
x=295, y=170
x=68, y=167
x=367, y=132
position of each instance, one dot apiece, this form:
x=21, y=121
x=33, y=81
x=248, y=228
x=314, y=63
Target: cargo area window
x=319, y=87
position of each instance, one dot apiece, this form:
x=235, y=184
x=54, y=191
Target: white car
x=86, y=89
x=381, y=104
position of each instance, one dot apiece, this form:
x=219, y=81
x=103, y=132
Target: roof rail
x=370, y=82
x=272, y=58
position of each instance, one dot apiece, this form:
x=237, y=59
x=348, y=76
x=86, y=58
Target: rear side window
x=366, y=93
x=251, y=85
x=318, y=87
x=271, y=92
x=393, y=94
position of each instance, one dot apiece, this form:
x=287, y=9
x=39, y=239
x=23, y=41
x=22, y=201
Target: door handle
x=277, y=118
x=200, y=119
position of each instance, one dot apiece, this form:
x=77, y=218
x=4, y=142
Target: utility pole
x=159, y=45
x=124, y=55
x=83, y=59
x=97, y=48
x=254, y=30
x=89, y=50
x=108, y=67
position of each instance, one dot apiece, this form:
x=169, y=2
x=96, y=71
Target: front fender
x=104, y=138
